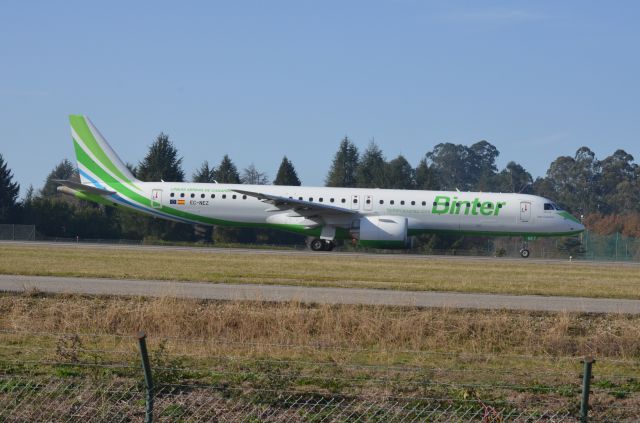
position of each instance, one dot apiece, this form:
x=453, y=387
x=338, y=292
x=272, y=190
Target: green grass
x=482, y=276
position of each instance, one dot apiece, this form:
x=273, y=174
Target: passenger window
x=343, y=200
x=489, y=206
x=182, y=195
x=233, y=196
x=381, y=201
x=171, y=195
x=413, y=203
x=355, y=200
x=368, y=201
x=310, y=199
x=320, y=199
x=402, y=202
x=224, y=196
x=424, y=203
x=300, y=198
x=213, y=196
x=244, y=197
x=332, y=200
x=499, y=205
x=192, y=195
x=392, y=202
x=548, y=206
x=201, y=195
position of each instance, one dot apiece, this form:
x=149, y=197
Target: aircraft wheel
x=316, y=244
x=329, y=245
x=524, y=253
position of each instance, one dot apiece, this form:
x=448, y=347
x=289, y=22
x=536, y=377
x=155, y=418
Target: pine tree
x=372, y=169
x=344, y=167
x=8, y=190
x=65, y=170
x=227, y=173
x=287, y=174
x=400, y=174
x=161, y=162
x=204, y=174
x=425, y=176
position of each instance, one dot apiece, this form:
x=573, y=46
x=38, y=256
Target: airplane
x=370, y=217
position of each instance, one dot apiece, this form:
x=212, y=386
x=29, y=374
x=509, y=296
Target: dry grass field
x=517, y=359
x=347, y=349
x=390, y=329
x=484, y=276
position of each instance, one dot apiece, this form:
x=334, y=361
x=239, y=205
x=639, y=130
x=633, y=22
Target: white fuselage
x=426, y=211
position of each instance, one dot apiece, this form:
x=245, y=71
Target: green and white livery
x=381, y=218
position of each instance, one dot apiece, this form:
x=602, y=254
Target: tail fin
x=98, y=164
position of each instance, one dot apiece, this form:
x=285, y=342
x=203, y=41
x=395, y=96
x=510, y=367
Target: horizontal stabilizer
x=77, y=186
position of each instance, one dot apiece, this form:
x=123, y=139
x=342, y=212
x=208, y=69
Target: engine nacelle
x=381, y=231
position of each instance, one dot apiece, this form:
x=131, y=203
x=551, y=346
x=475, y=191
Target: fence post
x=148, y=381
x=586, y=386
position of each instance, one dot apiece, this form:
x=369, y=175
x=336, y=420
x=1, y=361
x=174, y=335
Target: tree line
x=606, y=192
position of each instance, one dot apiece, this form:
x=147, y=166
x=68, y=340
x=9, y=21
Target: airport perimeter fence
x=110, y=378
x=17, y=232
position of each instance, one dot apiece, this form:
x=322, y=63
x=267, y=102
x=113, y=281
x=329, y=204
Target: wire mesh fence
x=91, y=378
x=17, y=232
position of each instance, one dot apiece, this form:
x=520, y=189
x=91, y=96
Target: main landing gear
x=524, y=250
x=318, y=244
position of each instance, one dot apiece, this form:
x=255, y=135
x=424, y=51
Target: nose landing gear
x=524, y=250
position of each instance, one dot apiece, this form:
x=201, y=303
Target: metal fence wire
x=17, y=232
x=63, y=378
x=81, y=400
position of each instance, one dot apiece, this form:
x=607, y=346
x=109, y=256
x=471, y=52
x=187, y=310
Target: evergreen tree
x=619, y=182
x=425, y=176
x=372, y=168
x=448, y=164
x=481, y=165
x=252, y=176
x=514, y=178
x=400, y=174
x=8, y=190
x=287, y=174
x=65, y=170
x=227, y=173
x=574, y=181
x=161, y=162
x=344, y=168
x=204, y=174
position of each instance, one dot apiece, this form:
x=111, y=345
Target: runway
x=279, y=293
x=302, y=253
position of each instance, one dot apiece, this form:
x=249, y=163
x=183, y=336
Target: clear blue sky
x=259, y=80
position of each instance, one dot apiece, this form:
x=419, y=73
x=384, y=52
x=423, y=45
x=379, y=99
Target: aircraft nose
x=575, y=226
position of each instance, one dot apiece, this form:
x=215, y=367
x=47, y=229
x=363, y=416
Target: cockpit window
x=548, y=206
x=557, y=207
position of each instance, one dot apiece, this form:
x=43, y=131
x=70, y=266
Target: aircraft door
x=156, y=198
x=368, y=202
x=525, y=211
x=355, y=202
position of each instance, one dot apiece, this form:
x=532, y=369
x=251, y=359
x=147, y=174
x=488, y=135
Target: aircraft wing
x=77, y=186
x=306, y=207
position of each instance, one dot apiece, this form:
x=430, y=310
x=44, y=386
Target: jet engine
x=381, y=231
